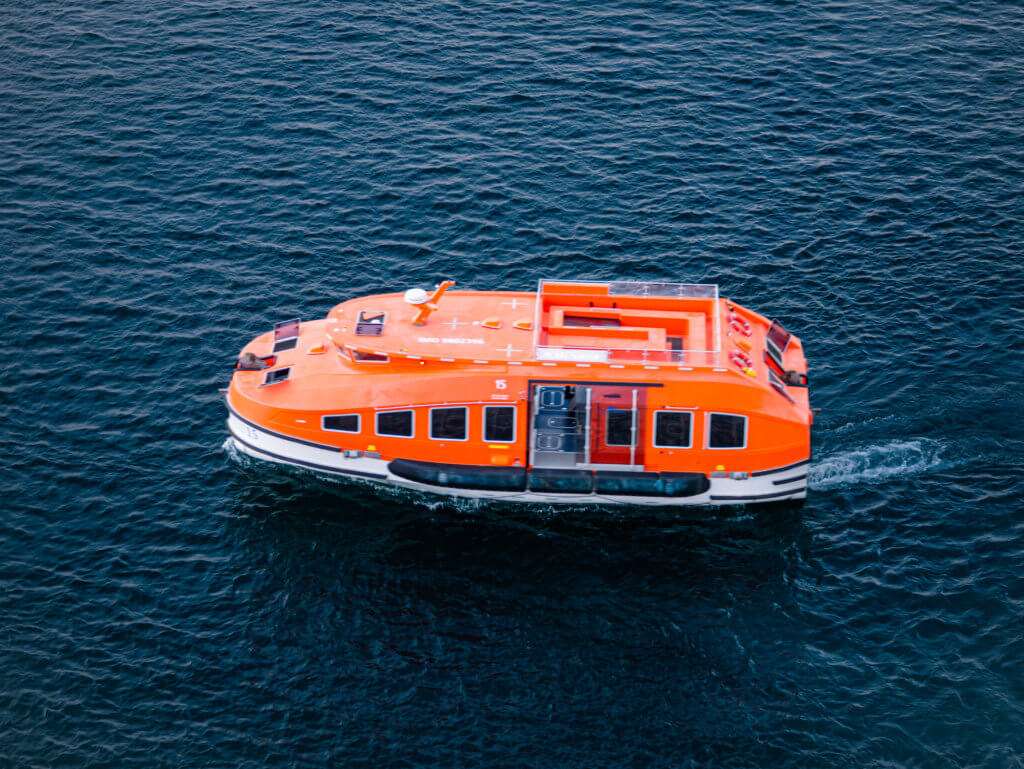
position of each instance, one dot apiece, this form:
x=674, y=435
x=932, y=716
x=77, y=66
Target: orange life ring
x=740, y=360
x=739, y=325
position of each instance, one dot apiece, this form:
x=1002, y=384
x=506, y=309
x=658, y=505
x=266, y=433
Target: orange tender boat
x=578, y=393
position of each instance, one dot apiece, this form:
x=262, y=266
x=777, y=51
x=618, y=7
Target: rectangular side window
x=277, y=375
x=779, y=385
x=619, y=428
x=727, y=431
x=342, y=423
x=776, y=341
x=673, y=429
x=500, y=424
x=396, y=423
x=286, y=335
x=368, y=357
x=448, y=424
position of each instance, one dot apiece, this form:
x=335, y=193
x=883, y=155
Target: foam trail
x=871, y=463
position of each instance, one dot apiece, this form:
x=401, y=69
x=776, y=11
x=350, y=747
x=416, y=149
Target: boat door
x=559, y=428
x=583, y=425
x=617, y=424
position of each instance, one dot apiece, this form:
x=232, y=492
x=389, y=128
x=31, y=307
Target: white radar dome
x=416, y=296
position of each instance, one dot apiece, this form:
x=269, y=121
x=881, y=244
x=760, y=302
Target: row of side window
x=672, y=429
x=446, y=424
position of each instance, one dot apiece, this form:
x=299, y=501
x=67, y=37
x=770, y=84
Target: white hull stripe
x=282, y=436
x=756, y=497
x=303, y=463
x=270, y=446
x=782, y=469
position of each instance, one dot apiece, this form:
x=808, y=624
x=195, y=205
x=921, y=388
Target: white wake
x=872, y=463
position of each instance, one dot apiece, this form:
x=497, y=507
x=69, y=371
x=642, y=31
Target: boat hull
x=780, y=484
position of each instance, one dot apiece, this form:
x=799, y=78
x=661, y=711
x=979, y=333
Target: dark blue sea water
x=176, y=176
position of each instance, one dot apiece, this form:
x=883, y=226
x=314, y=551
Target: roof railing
x=613, y=355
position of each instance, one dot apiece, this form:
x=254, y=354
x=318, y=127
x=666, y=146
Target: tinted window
x=778, y=336
x=285, y=344
x=448, y=424
x=371, y=357
x=395, y=423
x=620, y=428
x=727, y=432
x=672, y=428
x=286, y=329
x=344, y=423
x=499, y=424
x=551, y=397
x=277, y=375
x=776, y=343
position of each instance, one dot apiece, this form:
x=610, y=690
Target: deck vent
x=286, y=335
x=370, y=323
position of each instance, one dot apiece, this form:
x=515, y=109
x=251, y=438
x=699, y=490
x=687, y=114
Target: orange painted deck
x=519, y=326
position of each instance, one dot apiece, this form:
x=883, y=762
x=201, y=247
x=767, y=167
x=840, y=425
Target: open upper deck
x=671, y=324
x=628, y=322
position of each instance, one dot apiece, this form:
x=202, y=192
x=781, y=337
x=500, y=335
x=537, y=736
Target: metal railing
x=645, y=356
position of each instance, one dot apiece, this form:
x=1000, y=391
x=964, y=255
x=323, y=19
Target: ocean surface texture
x=177, y=176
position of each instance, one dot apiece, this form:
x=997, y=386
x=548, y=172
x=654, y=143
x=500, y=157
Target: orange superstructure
x=654, y=393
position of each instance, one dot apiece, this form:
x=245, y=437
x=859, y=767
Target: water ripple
x=176, y=177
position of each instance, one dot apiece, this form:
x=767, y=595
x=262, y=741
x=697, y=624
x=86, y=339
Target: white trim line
x=430, y=405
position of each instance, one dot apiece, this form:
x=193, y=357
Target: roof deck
x=658, y=324
x=678, y=323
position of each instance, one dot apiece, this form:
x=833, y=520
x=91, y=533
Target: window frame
x=780, y=386
x=654, y=428
x=707, y=431
x=771, y=346
x=542, y=390
x=376, y=423
x=377, y=357
x=325, y=428
x=284, y=343
x=633, y=432
x=515, y=422
x=286, y=370
x=430, y=423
